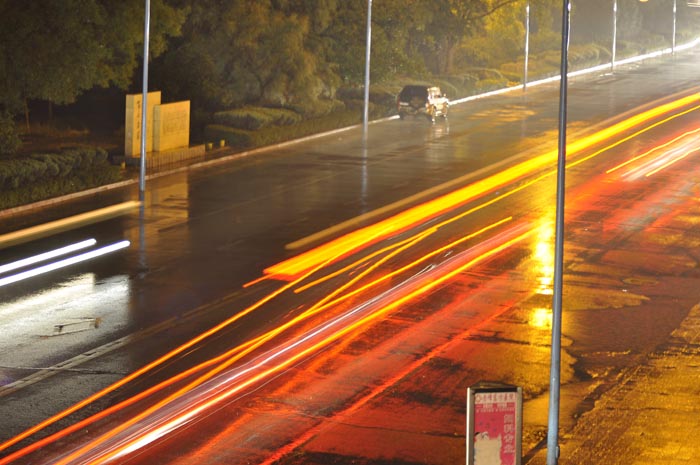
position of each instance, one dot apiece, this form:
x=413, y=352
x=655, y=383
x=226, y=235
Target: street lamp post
x=555, y=367
x=365, y=115
x=527, y=43
x=614, y=41
x=673, y=34
x=144, y=103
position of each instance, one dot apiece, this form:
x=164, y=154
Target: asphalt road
x=204, y=233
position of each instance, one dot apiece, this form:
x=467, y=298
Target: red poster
x=495, y=428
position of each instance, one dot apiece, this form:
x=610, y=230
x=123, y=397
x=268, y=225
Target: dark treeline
x=295, y=54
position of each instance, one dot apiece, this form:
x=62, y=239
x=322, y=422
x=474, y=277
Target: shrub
x=9, y=139
x=41, y=176
x=244, y=139
x=252, y=118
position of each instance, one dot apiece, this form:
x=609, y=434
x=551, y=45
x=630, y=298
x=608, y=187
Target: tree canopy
x=222, y=54
x=54, y=50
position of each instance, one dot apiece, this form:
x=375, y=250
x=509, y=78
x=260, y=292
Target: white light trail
x=65, y=262
x=47, y=255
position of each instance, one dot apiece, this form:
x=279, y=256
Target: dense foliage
x=41, y=176
x=304, y=56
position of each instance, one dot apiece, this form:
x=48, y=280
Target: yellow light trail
x=364, y=237
x=513, y=173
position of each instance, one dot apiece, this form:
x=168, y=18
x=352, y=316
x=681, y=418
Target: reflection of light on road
x=64, y=263
x=68, y=291
x=544, y=257
x=305, y=265
x=541, y=318
x=47, y=255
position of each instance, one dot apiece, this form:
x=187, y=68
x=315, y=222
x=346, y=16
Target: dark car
x=418, y=100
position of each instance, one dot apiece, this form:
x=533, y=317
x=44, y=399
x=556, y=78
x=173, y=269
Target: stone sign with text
x=171, y=126
x=132, y=124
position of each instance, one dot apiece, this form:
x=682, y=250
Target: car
x=422, y=100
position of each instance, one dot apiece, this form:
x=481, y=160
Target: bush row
x=244, y=139
x=253, y=118
x=39, y=176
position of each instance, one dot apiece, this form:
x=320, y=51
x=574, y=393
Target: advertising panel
x=494, y=424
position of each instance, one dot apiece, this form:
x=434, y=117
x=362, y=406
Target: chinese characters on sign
x=494, y=425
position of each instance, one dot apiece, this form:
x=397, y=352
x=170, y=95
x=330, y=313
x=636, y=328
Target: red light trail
x=223, y=380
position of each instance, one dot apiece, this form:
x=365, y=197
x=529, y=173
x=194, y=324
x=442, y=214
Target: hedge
x=40, y=176
x=245, y=139
x=252, y=118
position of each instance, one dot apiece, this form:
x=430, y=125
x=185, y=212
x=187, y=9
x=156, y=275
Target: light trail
x=64, y=263
x=47, y=255
x=96, y=451
x=652, y=150
x=145, y=369
x=672, y=161
x=329, y=259
x=53, y=227
x=238, y=352
x=369, y=235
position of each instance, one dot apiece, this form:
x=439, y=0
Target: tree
x=9, y=140
x=243, y=52
x=448, y=23
x=54, y=50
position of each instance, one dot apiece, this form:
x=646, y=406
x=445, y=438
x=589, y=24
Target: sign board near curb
x=494, y=424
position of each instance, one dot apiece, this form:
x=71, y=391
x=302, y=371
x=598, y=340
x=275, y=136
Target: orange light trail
x=146, y=368
x=311, y=263
x=251, y=345
x=358, y=263
x=429, y=283
x=238, y=352
x=364, y=237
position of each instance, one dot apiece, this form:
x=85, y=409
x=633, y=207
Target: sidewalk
x=652, y=415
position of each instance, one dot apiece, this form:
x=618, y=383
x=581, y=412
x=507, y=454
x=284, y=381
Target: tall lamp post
x=555, y=367
x=365, y=115
x=527, y=43
x=144, y=103
x=673, y=34
x=614, y=41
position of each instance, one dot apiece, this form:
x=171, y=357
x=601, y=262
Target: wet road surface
x=196, y=245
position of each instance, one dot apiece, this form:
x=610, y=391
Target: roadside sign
x=494, y=424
